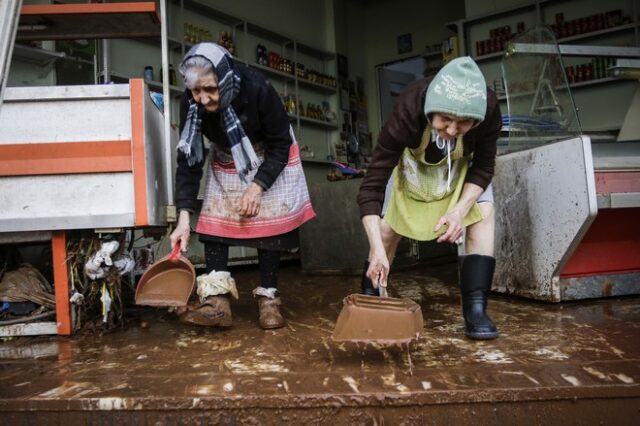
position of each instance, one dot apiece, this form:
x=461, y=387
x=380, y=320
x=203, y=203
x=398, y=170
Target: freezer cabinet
x=81, y=157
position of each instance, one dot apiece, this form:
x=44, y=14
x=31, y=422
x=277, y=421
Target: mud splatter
x=571, y=379
x=624, y=378
x=551, y=353
x=353, y=384
x=494, y=356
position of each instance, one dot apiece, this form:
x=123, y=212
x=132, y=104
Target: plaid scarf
x=244, y=157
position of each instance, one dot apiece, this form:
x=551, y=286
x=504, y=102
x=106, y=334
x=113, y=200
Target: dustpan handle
x=175, y=253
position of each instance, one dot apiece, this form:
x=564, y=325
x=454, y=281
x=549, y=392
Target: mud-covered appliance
x=567, y=208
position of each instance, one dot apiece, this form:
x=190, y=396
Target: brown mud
x=552, y=363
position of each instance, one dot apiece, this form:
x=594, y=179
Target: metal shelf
x=88, y=21
x=291, y=77
x=314, y=122
x=583, y=36
x=176, y=90
x=317, y=86
x=272, y=71
x=36, y=55
x=604, y=31
x=578, y=85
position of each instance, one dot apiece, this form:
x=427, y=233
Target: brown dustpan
x=168, y=282
x=382, y=320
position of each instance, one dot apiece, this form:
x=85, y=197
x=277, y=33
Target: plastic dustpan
x=382, y=320
x=168, y=282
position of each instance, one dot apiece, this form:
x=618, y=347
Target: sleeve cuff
x=260, y=184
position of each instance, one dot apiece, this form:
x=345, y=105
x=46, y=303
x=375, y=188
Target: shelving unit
x=578, y=37
x=100, y=156
x=246, y=35
x=622, y=33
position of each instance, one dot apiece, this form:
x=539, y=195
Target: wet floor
x=552, y=363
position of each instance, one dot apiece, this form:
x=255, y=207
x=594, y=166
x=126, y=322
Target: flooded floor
x=571, y=363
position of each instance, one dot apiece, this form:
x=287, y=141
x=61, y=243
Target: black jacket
x=264, y=120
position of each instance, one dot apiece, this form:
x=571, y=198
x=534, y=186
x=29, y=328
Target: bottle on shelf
x=148, y=73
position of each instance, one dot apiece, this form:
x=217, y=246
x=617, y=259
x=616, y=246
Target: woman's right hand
x=378, y=262
x=181, y=234
x=378, y=271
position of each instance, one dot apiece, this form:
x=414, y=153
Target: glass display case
x=539, y=101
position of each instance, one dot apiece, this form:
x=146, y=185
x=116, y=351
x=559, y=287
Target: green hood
x=459, y=89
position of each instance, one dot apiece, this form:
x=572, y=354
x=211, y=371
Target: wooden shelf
x=88, y=21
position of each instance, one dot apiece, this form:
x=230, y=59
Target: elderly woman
x=440, y=145
x=255, y=195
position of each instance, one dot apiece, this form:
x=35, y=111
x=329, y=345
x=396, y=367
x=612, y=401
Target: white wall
x=371, y=29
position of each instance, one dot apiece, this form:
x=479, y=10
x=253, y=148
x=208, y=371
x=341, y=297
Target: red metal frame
x=61, y=282
x=612, y=243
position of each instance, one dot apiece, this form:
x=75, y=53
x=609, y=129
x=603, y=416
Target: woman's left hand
x=250, y=201
x=454, y=221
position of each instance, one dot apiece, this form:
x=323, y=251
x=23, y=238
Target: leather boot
x=269, y=311
x=476, y=275
x=215, y=311
x=366, y=284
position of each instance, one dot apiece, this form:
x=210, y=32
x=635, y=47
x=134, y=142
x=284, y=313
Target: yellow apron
x=420, y=196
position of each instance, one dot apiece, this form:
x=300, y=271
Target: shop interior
x=90, y=110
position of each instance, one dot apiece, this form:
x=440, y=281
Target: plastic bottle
x=148, y=73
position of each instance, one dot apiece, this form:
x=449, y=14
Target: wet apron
x=284, y=207
x=420, y=196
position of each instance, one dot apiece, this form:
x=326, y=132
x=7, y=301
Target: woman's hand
x=454, y=221
x=250, y=201
x=378, y=262
x=181, y=234
x=378, y=271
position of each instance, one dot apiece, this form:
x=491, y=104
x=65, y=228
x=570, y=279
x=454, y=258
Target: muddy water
x=545, y=351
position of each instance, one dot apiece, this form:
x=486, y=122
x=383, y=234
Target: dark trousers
x=217, y=256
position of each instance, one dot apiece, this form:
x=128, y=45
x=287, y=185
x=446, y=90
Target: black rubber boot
x=476, y=275
x=367, y=284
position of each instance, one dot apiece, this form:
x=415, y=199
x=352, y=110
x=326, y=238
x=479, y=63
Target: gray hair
x=194, y=68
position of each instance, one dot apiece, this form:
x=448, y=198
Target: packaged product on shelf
x=261, y=55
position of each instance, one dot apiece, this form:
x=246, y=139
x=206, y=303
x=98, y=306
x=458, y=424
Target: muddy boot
x=215, y=311
x=269, y=308
x=366, y=284
x=476, y=275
